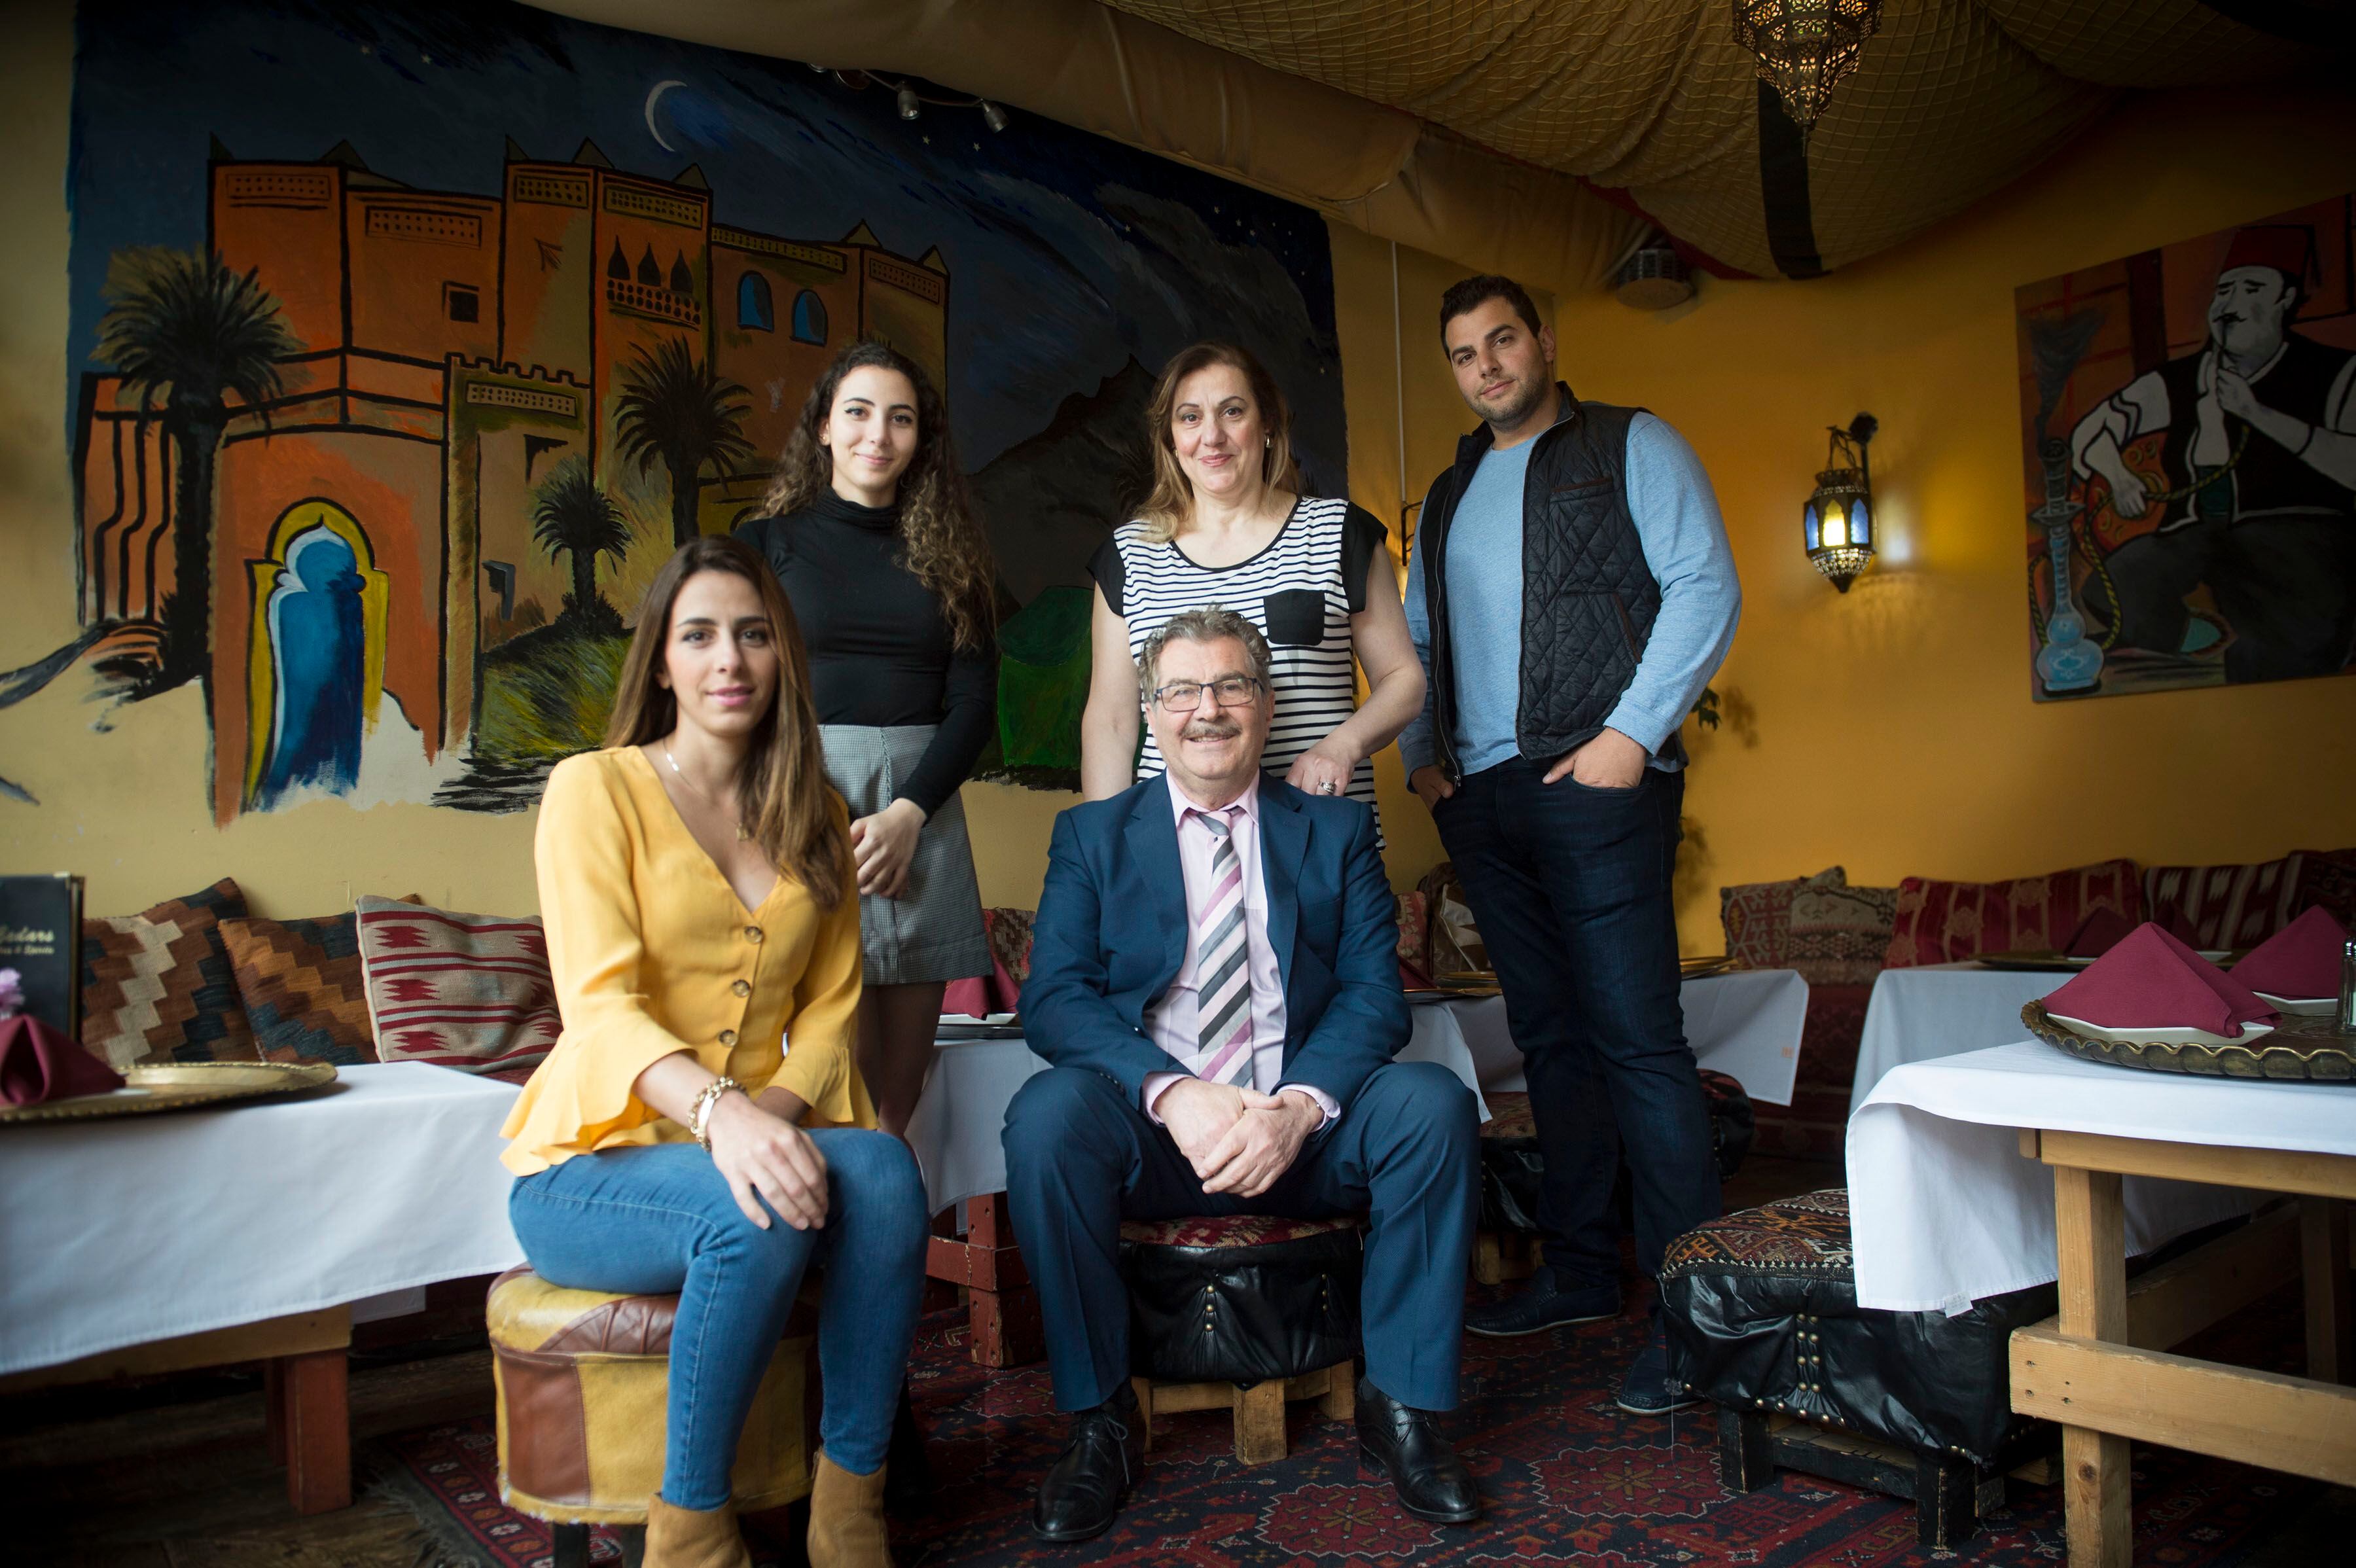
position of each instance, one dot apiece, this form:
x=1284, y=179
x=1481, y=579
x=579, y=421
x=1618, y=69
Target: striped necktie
x=1223, y=974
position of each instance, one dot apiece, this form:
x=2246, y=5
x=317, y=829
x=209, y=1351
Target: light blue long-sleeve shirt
x=1683, y=540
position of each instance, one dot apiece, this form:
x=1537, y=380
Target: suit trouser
x=1570, y=887
x=1081, y=1157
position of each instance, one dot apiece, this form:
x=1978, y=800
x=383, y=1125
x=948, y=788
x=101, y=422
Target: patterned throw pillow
x=2327, y=881
x=305, y=998
x=158, y=987
x=1839, y=935
x=2225, y=906
x=1941, y=922
x=1413, y=911
x=1757, y=917
x=469, y=992
x=1009, y=931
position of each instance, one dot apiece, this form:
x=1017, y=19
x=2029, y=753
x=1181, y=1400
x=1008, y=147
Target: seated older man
x=1213, y=980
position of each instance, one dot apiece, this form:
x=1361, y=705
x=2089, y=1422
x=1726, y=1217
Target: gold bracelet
x=701, y=1111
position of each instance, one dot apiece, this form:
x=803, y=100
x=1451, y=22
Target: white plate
x=2312, y=1005
x=970, y=1018
x=2179, y=1036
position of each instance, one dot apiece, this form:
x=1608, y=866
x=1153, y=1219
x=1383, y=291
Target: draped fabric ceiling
x=1546, y=138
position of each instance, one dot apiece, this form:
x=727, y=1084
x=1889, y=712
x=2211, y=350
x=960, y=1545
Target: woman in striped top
x=1225, y=524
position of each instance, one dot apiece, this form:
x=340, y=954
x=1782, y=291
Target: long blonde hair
x=1172, y=499
x=788, y=806
x=943, y=540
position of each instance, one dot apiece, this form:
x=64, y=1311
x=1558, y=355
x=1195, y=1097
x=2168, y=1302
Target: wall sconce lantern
x=1837, y=521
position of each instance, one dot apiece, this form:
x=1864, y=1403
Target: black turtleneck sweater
x=880, y=649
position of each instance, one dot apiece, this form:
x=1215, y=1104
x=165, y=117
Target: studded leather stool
x=1762, y=1320
x=583, y=1380
x=1243, y=1313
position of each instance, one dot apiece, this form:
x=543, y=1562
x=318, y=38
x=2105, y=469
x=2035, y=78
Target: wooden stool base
x=1258, y=1407
x=1499, y=1256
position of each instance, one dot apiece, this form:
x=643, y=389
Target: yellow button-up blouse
x=652, y=952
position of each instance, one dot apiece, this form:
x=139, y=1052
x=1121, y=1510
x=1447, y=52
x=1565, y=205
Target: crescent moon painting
x=660, y=88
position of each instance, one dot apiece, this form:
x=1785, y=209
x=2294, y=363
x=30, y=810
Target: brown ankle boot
x=846, y=1527
x=693, y=1538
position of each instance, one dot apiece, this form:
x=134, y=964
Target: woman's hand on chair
x=761, y=1156
x=1324, y=769
x=884, y=846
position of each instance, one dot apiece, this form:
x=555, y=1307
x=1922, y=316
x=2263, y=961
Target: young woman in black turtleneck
x=871, y=531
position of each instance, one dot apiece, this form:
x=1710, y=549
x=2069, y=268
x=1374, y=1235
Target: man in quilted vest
x=1570, y=595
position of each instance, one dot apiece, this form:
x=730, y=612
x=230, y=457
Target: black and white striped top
x=1300, y=591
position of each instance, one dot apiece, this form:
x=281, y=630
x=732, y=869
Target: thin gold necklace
x=742, y=832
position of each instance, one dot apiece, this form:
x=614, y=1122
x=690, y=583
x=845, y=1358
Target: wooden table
x=2101, y=1368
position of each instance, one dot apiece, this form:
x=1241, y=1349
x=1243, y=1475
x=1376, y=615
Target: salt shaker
x=2348, y=989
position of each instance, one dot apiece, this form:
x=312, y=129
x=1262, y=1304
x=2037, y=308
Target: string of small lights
x=913, y=103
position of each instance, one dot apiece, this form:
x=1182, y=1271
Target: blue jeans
x=1570, y=887
x=657, y=1219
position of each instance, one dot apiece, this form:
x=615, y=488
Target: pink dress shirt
x=1173, y=1023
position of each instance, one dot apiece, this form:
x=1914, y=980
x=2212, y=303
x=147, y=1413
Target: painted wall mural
x=407, y=342
x=2188, y=421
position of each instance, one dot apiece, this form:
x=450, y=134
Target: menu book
x=40, y=939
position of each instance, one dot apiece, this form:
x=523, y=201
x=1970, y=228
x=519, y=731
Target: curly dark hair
x=942, y=540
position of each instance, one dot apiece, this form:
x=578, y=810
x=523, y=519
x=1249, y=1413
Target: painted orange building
x=455, y=347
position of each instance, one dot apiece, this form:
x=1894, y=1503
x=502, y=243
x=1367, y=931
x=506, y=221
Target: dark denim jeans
x=1570, y=887
x=657, y=1219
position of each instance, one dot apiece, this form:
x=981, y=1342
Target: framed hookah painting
x=2188, y=444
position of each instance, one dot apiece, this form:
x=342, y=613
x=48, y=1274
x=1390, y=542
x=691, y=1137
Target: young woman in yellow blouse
x=701, y=1126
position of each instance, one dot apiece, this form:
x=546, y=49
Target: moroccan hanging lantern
x=1806, y=48
x=1837, y=523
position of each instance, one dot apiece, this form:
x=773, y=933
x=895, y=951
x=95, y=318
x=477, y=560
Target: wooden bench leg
x=1259, y=1421
x=571, y=1544
x=1143, y=1389
x=1340, y=1401
x=1745, y=1455
x=1946, y=1501
x=314, y=1427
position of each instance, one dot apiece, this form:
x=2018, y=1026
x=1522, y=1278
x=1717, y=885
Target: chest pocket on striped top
x=1296, y=617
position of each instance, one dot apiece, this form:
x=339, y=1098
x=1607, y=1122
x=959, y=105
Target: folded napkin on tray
x=2097, y=934
x=37, y=1064
x=2152, y=980
x=2300, y=961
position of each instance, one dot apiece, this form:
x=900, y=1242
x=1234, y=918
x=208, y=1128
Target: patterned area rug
x=1568, y=1477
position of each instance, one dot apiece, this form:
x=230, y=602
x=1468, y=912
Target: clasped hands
x=1238, y=1140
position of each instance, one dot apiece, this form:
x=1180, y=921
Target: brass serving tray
x=2047, y=962
x=2303, y=1047
x=1483, y=983
x=177, y=1086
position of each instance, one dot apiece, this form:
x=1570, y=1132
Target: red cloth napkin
x=984, y=995
x=2097, y=934
x=38, y=1064
x=2300, y=961
x=2152, y=980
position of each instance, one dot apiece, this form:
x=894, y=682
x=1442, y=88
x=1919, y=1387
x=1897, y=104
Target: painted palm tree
x=674, y=408
x=572, y=517
x=187, y=332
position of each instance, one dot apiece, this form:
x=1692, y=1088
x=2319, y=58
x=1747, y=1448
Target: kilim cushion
x=2224, y=905
x=1229, y=1229
x=1839, y=935
x=306, y=997
x=2326, y=880
x=1413, y=911
x=1010, y=940
x=1941, y=922
x=469, y=992
x=157, y=987
x=1808, y=1234
x=1757, y=917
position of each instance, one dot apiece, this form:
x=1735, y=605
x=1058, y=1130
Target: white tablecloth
x=955, y=1129
x=1944, y=1210
x=1746, y=1025
x=120, y=1231
x=1942, y=1010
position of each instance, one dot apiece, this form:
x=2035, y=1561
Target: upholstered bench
x=1763, y=1321
x=1243, y=1313
x=1507, y=1246
x=583, y=1377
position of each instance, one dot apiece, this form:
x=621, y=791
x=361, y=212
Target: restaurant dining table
x=1933, y=1010
x=2019, y=1165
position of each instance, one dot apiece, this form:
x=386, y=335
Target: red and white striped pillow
x=469, y=992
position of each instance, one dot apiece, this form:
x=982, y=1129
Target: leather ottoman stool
x=1763, y=1321
x=583, y=1377
x=1243, y=1312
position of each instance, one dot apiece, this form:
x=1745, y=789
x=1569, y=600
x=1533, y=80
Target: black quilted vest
x=1588, y=600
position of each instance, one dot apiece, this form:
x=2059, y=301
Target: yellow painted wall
x=124, y=793
x=1891, y=730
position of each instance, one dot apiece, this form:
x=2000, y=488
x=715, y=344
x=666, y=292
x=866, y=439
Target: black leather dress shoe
x=1405, y=1444
x=1541, y=1305
x=1103, y=1457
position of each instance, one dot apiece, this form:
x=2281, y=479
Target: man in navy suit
x=1213, y=980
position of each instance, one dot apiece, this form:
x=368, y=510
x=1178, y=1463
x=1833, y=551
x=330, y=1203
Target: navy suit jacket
x=1111, y=937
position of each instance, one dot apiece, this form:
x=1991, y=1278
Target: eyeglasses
x=1228, y=691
